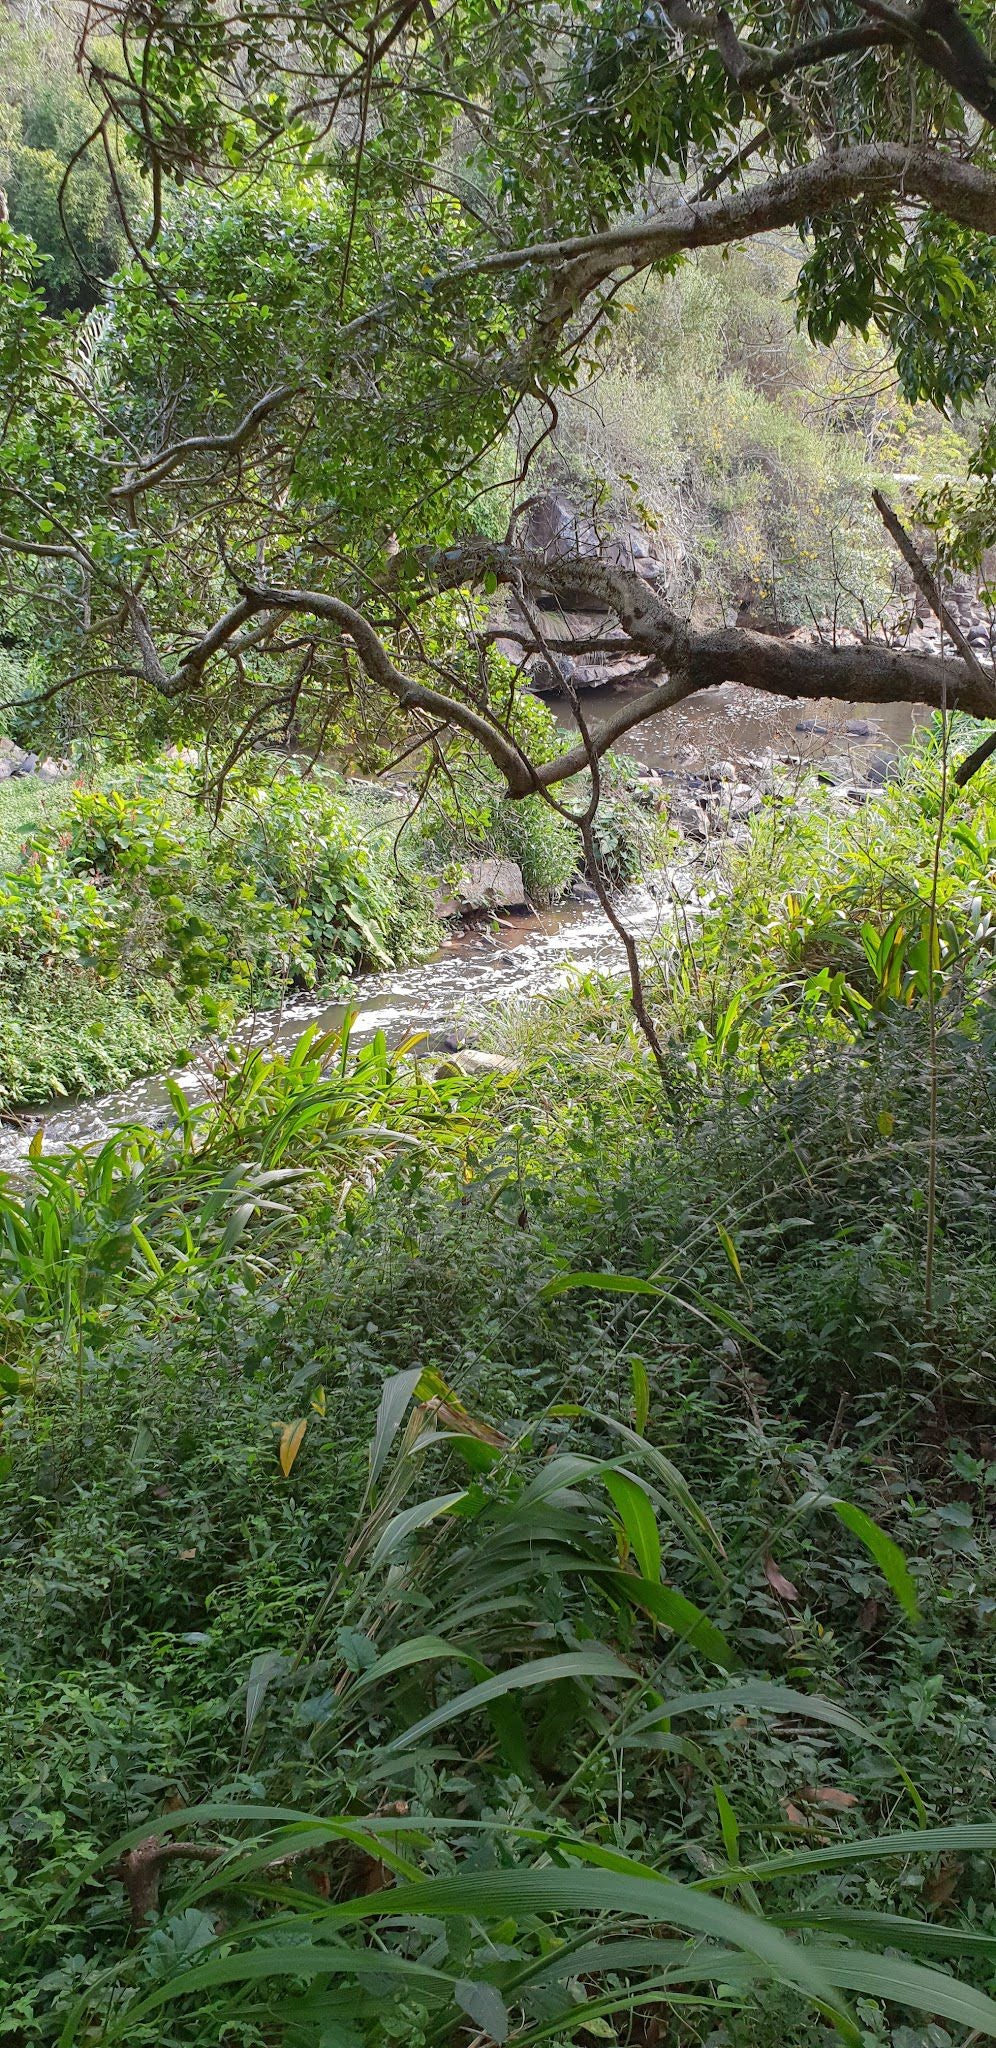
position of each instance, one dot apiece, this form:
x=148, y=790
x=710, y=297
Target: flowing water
x=470, y=975
x=526, y=957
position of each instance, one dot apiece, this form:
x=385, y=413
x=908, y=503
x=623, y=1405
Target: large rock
x=470, y=1062
x=14, y=760
x=554, y=529
x=484, y=885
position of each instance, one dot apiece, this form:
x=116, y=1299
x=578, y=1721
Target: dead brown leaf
x=828, y=1795
x=778, y=1582
x=464, y=1424
x=940, y=1889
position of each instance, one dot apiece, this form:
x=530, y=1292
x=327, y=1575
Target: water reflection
x=731, y=723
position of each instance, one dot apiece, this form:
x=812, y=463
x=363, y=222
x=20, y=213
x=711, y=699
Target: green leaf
x=410, y=1519
x=730, y=1249
x=516, y=1894
x=262, y=1671
x=729, y=1824
x=638, y=1520
x=594, y=1662
x=641, y=1396
x=681, y=1616
x=904, y=1983
x=605, y=1283
x=394, y=1401
x=887, y=1554
x=485, y=2006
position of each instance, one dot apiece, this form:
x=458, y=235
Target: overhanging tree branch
x=963, y=191
x=866, y=673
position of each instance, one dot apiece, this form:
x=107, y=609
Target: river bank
x=708, y=767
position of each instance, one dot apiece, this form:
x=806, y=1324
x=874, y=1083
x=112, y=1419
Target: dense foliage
x=443, y=1512
x=491, y=1559
x=132, y=923
x=353, y=305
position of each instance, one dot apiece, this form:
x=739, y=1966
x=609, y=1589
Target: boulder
x=554, y=529
x=485, y=885
x=469, y=1062
x=14, y=760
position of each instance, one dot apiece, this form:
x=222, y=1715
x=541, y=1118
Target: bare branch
x=153, y=469
x=47, y=549
x=926, y=582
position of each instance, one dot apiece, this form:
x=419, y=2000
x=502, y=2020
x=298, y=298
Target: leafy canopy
x=361, y=239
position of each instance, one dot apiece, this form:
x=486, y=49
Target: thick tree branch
x=961, y=190
x=411, y=695
x=866, y=673
x=926, y=582
x=53, y=550
x=754, y=69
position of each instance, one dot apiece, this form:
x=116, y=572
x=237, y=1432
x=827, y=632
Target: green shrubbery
x=588, y=1614
x=130, y=922
x=472, y=816
x=830, y=921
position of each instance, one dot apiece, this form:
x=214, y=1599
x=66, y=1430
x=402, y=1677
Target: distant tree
x=59, y=193
x=377, y=231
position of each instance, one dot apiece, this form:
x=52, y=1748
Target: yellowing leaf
x=291, y=1439
x=318, y=1401
x=886, y=1123
x=34, y=1149
x=731, y=1251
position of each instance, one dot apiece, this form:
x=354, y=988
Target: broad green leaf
x=638, y=1520
x=729, y=1825
x=756, y=1692
x=976, y=1838
x=410, y=1519
x=485, y=2006
x=641, y=1396
x=394, y=1401
x=604, y=1283
x=150, y=1256
x=887, y=1554
x=418, y=1650
x=262, y=1671
x=593, y=1662
x=730, y=1249
x=908, y=1984
x=678, y=1614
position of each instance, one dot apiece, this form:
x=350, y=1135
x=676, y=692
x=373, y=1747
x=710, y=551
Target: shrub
x=126, y=896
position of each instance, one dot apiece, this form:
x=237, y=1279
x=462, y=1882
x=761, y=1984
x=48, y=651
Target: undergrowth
x=511, y=1559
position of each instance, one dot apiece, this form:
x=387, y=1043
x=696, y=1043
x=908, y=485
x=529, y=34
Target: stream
x=476, y=972
x=470, y=975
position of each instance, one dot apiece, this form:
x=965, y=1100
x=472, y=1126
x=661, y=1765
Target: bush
x=129, y=924
x=826, y=927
